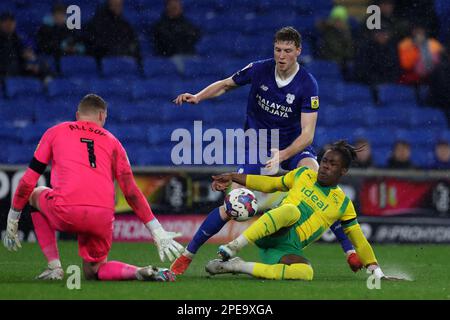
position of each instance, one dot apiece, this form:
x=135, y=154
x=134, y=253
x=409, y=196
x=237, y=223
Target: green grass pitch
x=427, y=265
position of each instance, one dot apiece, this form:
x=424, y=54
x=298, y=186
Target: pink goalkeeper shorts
x=93, y=225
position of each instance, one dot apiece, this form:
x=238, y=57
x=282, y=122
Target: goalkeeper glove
x=164, y=241
x=353, y=261
x=11, y=240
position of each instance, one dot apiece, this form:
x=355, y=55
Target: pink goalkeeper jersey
x=85, y=158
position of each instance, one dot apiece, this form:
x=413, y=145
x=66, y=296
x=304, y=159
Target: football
x=240, y=204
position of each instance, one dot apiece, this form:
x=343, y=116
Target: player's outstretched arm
x=256, y=182
x=213, y=90
x=21, y=196
x=365, y=251
x=164, y=240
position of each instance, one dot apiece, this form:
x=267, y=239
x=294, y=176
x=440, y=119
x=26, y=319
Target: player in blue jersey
x=284, y=96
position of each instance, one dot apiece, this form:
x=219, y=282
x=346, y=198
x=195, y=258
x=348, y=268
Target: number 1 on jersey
x=91, y=153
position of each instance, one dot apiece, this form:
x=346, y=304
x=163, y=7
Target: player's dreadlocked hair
x=347, y=151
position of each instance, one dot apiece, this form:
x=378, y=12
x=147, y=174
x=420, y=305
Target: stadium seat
x=67, y=87
x=197, y=68
x=155, y=67
x=162, y=88
x=427, y=118
x=394, y=93
x=379, y=137
x=424, y=138
x=32, y=133
x=146, y=112
x=20, y=154
x=380, y=156
x=131, y=133
x=57, y=110
x=123, y=67
x=15, y=112
x=422, y=156
x=355, y=93
x=23, y=86
x=78, y=66
x=9, y=134
x=324, y=69
x=111, y=88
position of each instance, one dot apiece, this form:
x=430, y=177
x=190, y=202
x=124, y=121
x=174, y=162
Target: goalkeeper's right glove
x=164, y=241
x=11, y=240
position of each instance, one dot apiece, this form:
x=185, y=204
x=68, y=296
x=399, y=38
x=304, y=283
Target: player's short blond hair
x=92, y=103
x=289, y=34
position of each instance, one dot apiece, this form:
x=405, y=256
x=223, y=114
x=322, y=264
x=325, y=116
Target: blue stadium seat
x=111, y=88
x=156, y=155
x=324, y=69
x=380, y=156
x=427, y=118
x=56, y=110
x=78, y=66
x=23, y=109
x=394, y=93
x=389, y=117
x=356, y=93
x=155, y=67
x=23, y=86
x=9, y=134
x=130, y=133
x=67, y=87
x=380, y=137
x=444, y=135
x=146, y=112
x=422, y=156
x=32, y=133
x=194, y=68
x=425, y=138
x=123, y=67
x=20, y=154
x=161, y=88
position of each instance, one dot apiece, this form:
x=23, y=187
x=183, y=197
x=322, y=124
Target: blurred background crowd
x=387, y=88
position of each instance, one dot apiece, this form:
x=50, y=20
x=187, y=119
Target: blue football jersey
x=271, y=107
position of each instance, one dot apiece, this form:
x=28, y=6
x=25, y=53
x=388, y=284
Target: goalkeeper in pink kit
x=85, y=159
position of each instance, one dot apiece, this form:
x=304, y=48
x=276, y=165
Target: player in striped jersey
x=313, y=203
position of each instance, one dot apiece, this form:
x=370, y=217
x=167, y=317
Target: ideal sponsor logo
x=310, y=194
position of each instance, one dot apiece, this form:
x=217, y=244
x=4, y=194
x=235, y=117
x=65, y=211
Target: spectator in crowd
x=418, y=12
x=109, y=34
x=396, y=26
x=441, y=156
x=401, y=156
x=173, y=34
x=55, y=39
x=439, y=89
x=16, y=58
x=11, y=47
x=335, y=40
x=419, y=56
x=34, y=65
x=364, y=155
x=376, y=59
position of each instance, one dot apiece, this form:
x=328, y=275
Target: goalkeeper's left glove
x=11, y=240
x=353, y=261
x=164, y=241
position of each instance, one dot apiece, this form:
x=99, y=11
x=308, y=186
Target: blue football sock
x=212, y=224
x=340, y=235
